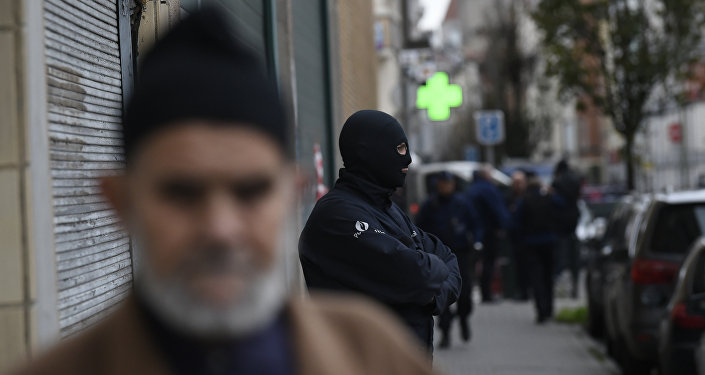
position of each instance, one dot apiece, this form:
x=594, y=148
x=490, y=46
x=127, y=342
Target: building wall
x=16, y=276
x=354, y=62
x=358, y=63
x=388, y=43
x=663, y=163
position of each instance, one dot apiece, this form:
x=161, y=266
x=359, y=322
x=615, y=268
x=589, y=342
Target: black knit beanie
x=199, y=71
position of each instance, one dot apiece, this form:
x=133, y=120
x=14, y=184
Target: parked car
x=600, y=255
x=640, y=283
x=420, y=178
x=684, y=322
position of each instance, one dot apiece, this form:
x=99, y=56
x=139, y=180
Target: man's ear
x=114, y=189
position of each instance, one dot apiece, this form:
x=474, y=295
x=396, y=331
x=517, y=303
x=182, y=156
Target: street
x=506, y=341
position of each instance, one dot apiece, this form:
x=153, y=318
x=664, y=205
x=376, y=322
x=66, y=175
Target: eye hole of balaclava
x=368, y=145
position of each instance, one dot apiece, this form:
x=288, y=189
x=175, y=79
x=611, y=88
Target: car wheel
x=665, y=367
x=631, y=365
x=595, y=321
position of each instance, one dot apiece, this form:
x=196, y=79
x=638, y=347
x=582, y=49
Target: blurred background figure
x=486, y=198
x=536, y=217
x=448, y=215
x=519, y=262
x=567, y=184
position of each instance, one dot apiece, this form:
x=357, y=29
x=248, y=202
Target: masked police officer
x=357, y=240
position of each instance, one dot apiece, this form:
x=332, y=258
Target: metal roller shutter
x=85, y=94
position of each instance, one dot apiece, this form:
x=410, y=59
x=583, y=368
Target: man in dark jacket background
x=488, y=201
x=567, y=184
x=356, y=240
x=448, y=215
x=536, y=218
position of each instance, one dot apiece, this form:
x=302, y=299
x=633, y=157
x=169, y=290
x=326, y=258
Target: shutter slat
x=91, y=132
x=81, y=252
x=64, y=61
x=75, y=305
x=84, y=140
x=70, y=201
x=93, y=317
x=83, y=49
x=107, y=8
x=57, y=24
x=81, y=106
x=91, y=272
x=88, y=259
x=63, y=9
x=57, y=62
x=112, y=233
x=86, y=94
x=93, y=212
x=61, y=119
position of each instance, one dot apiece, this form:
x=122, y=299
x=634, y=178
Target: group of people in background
x=537, y=223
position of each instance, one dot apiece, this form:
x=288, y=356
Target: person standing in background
x=485, y=197
x=448, y=215
x=567, y=184
x=535, y=217
x=521, y=266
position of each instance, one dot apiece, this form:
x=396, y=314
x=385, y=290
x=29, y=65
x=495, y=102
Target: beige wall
x=358, y=58
x=353, y=62
x=16, y=280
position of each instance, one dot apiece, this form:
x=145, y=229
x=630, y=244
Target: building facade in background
x=66, y=68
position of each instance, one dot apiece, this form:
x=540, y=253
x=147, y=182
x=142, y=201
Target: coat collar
x=130, y=349
x=377, y=195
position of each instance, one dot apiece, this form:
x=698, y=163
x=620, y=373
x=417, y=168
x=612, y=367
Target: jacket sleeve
x=450, y=289
x=388, y=268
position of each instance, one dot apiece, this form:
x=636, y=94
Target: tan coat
x=331, y=335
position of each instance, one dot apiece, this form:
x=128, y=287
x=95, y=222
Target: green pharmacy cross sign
x=438, y=96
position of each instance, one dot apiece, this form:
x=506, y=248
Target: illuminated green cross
x=438, y=97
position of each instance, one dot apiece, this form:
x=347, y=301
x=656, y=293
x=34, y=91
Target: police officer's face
x=207, y=204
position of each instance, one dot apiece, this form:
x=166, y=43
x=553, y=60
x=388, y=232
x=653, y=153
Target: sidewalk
x=506, y=341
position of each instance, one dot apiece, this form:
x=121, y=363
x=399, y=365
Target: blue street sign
x=489, y=127
x=472, y=153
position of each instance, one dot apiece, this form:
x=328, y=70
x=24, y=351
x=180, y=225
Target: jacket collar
x=377, y=195
x=133, y=350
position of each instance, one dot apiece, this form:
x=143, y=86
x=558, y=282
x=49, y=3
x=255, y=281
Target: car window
x=677, y=227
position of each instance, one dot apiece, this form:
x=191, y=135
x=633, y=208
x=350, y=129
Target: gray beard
x=171, y=302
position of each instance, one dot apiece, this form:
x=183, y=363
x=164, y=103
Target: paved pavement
x=506, y=341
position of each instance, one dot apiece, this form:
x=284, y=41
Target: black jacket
x=452, y=219
x=356, y=240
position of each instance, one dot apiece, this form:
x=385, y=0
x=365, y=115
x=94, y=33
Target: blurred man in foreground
x=449, y=216
x=487, y=200
x=205, y=195
x=357, y=240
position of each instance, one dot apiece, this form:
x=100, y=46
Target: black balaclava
x=199, y=71
x=368, y=145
